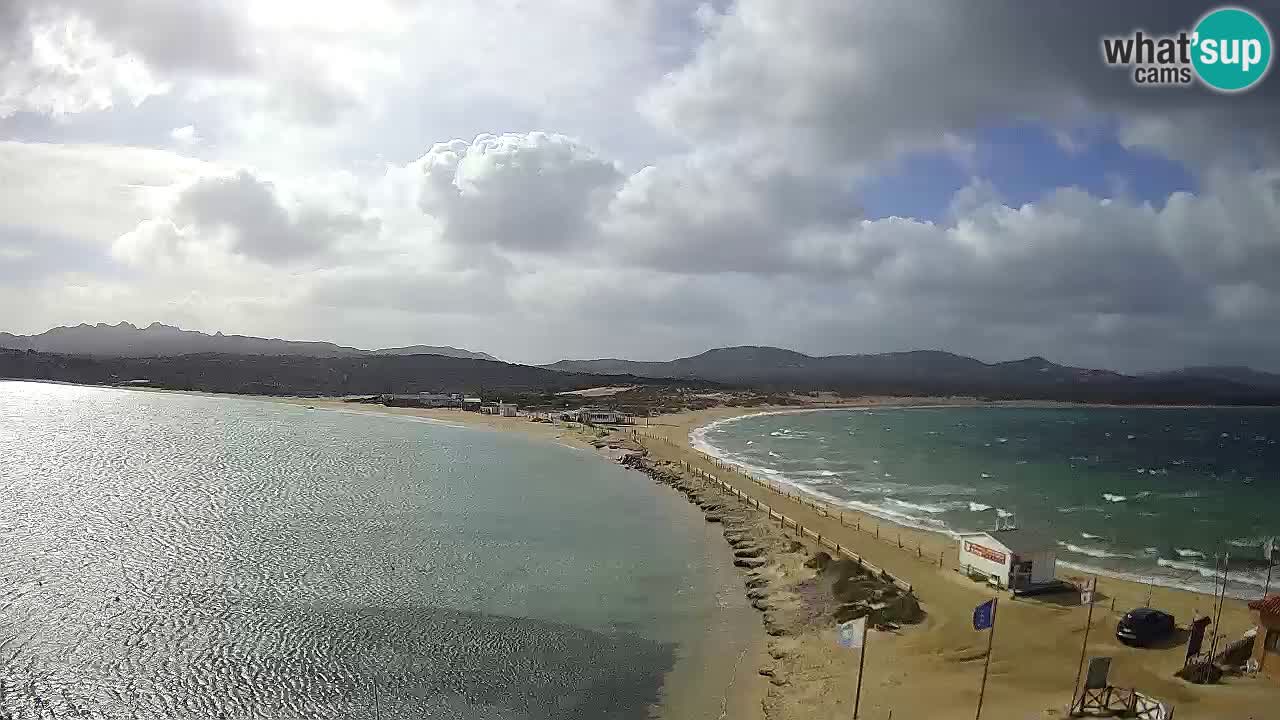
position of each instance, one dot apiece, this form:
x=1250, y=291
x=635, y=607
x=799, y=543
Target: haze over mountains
x=172, y=357
x=127, y=340
x=937, y=372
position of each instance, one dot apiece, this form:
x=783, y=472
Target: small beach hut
x=1013, y=559
x=1266, y=643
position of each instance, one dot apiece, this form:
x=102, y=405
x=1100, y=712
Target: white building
x=1013, y=559
x=507, y=410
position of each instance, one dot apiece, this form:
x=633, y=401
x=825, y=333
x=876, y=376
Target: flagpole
x=991, y=637
x=1271, y=552
x=1213, y=646
x=1088, y=623
x=862, y=658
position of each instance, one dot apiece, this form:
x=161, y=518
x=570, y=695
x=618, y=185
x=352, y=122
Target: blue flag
x=984, y=615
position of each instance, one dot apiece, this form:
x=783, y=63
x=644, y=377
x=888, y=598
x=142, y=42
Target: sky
x=637, y=178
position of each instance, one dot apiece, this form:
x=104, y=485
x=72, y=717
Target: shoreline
x=701, y=685
x=699, y=443
x=1033, y=672
x=929, y=670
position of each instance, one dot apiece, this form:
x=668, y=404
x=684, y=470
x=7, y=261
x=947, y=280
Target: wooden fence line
x=803, y=532
x=936, y=556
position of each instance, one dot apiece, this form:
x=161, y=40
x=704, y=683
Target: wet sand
x=933, y=670
x=928, y=670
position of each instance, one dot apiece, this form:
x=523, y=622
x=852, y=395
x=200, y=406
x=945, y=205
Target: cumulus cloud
x=63, y=66
x=734, y=219
x=533, y=191
x=239, y=214
x=61, y=57
x=856, y=81
x=186, y=135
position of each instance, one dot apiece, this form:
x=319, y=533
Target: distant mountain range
x=173, y=357
x=335, y=375
x=1230, y=373
x=932, y=372
x=155, y=340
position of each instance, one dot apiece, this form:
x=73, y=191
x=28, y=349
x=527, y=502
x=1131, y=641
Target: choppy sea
x=1150, y=494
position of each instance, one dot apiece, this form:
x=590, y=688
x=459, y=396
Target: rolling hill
x=127, y=340
x=933, y=372
x=300, y=374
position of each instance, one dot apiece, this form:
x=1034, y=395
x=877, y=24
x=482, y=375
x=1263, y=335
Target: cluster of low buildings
x=586, y=415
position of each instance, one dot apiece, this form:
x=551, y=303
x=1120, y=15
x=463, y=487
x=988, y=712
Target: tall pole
x=1088, y=623
x=991, y=637
x=1271, y=553
x=1213, y=646
x=862, y=658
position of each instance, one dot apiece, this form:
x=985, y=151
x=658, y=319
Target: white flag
x=849, y=634
x=1086, y=595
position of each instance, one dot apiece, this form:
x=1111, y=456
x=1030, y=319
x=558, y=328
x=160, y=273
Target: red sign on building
x=982, y=551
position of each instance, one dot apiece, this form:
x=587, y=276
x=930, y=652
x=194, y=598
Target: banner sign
x=982, y=551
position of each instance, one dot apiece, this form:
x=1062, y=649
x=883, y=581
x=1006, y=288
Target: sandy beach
x=716, y=676
x=1036, y=651
x=931, y=669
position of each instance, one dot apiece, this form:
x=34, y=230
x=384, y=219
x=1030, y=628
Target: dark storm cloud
x=850, y=81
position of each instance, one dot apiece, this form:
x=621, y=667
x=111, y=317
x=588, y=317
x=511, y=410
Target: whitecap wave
x=931, y=509
x=978, y=507
x=1001, y=512
x=1186, y=552
x=986, y=476
x=1113, y=498
x=1092, y=551
x=1090, y=536
x=1200, y=580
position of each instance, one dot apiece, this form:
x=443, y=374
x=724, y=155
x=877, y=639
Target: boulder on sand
x=819, y=560
x=850, y=611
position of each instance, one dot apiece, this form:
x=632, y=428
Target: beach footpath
x=932, y=668
x=928, y=669
x=801, y=589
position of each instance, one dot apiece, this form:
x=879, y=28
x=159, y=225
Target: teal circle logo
x=1231, y=49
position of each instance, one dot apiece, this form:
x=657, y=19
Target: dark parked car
x=1144, y=626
